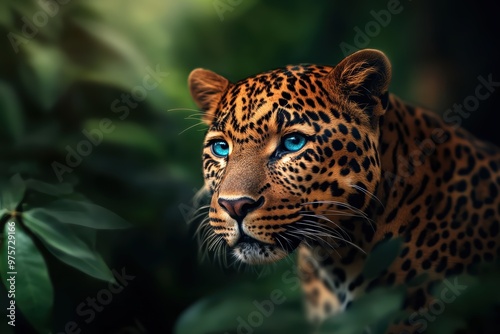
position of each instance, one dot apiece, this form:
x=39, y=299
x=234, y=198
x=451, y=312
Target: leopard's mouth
x=252, y=251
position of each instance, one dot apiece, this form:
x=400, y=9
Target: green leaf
x=34, y=294
x=213, y=314
x=245, y=308
x=65, y=244
x=83, y=214
x=11, y=113
x=381, y=257
x=49, y=189
x=12, y=193
x=466, y=301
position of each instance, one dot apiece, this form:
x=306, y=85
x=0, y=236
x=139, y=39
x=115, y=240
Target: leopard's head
x=290, y=154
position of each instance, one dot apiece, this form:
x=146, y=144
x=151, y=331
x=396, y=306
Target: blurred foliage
x=267, y=307
x=23, y=269
x=251, y=307
x=93, y=108
x=476, y=305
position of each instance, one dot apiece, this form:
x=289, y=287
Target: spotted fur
x=372, y=168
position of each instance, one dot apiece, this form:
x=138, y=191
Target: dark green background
x=65, y=78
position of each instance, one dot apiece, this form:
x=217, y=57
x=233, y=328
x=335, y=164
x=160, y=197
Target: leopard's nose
x=238, y=208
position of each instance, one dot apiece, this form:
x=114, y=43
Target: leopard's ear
x=206, y=89
x=363, y=78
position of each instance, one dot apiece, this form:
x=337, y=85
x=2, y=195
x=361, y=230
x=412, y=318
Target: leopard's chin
x=257, y=253
x=254, y=252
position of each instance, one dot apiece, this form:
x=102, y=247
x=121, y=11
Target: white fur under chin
x=254, y=253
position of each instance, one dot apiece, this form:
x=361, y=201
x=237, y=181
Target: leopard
x=325, y=163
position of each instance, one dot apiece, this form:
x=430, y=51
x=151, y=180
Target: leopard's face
x=288, y=157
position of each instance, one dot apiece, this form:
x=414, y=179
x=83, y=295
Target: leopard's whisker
x=347, y=206
x=203, y=226
x=191, y=126
x=198, y=215
x=340, y=204
x=346, y=214
x=279, y=241
x=185, y=109
x=316, y=233
x=311, y=242
x=308, y=225
x=198, y=112
x=367, y=192
x=322, y=217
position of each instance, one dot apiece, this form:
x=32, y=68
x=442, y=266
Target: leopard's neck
x=412, y=142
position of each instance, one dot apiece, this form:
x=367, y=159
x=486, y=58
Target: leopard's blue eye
x=220, y=148
x=293, y=142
